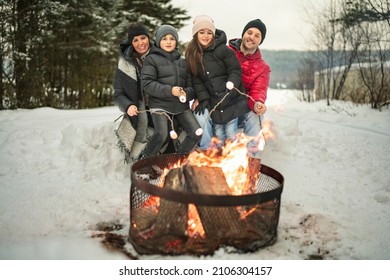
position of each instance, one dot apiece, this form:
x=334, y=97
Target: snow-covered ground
x=62, y=178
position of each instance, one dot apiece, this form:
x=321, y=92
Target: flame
x=195, y=226
x=153, y=201
x=232, y=158
x=266, y=132
x=177, y=164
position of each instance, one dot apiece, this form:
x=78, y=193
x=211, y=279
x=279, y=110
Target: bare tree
x=350, y=41
x=305, y=81
x=374, y=63
x=370, y=20
x=326, y=30
x=341, y=41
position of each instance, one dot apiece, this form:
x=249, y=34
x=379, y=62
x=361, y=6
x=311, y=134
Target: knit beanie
x=201, y=22
x=256, y=23
x=136, y=29
x=164, y=30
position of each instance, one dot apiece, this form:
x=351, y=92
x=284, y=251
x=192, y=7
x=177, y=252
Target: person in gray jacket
x=168, y=86
x=128, y=96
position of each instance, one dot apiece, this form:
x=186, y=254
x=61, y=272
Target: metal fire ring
x=163, y=161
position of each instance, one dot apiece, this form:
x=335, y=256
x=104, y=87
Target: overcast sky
x=286, y=20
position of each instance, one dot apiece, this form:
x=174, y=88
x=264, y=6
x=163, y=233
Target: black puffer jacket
x=221, y=66
x=127, y=84
x=162, y=71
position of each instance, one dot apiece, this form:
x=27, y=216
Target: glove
x=204, y=104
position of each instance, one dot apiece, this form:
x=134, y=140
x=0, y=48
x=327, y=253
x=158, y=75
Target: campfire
x=196, y=203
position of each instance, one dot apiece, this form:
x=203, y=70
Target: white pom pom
x=173, y=134
x=229, y=85
x=199, y=132
x=182, y=98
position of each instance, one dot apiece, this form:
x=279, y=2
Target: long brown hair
x=194, y=56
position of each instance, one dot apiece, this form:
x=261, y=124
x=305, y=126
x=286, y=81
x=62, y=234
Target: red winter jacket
x=255, y=73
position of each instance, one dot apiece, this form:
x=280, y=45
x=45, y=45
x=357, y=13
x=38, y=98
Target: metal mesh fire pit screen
x=169, y=221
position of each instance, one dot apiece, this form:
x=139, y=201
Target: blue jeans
x=206, y=124
x=227, y=131
x=251, y=124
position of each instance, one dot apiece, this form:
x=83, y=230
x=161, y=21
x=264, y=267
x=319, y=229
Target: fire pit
x=173, y=213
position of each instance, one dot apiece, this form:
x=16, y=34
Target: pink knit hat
x=201, y=22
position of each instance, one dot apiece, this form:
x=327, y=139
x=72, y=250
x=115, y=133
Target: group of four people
x=157, y=79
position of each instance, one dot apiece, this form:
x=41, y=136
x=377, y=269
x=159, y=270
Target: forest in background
x=63, y=54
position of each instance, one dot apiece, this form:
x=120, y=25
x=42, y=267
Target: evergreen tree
x=63, y=53
x=366, y=11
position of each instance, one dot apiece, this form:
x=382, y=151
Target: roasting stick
x=229, y=85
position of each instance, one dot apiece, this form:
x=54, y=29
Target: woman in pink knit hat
x=212, y=64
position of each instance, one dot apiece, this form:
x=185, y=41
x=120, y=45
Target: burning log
x=171, y=221
x=172, y=216
x=253, y=174
x=206, y=180
x=218, y=222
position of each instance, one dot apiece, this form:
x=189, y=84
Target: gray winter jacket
x=127, y=88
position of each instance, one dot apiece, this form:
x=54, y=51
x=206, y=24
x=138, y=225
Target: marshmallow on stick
x=229, y=85
x=182, y=98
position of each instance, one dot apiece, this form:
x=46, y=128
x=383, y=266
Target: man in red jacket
x=255, y=76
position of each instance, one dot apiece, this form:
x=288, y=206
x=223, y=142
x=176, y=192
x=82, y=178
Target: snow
x=62, y=174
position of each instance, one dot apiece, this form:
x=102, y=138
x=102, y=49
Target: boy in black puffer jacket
x=168, y=85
